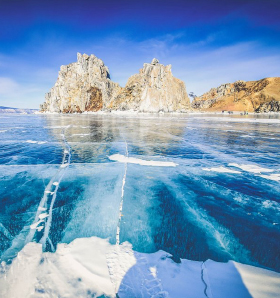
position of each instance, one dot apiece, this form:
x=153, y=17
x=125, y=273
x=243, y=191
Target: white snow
x=55, y=183
x=274, y=177
x=43, y=215
x=35, y=142
x=30, y=141
x=89, y=266
x=34, y=226
x=142, y=162
x=40, y=228
x=50, y=192
x=221, y=170
x=260, y=283
x=42, y=208
x=251, y=168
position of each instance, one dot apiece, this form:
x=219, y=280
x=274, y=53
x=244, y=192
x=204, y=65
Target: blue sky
x=207, y=42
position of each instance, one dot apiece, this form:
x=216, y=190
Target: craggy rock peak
x=86, y=86
x=252, y=96
x=81, y=86
x=154, y=89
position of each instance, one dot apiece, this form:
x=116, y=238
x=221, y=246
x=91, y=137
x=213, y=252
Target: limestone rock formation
x=154, y=89
x=251, y=96
x=86, y=86
x=81, y=86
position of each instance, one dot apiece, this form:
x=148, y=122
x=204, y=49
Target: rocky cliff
x=81, y=86
x=154, y=89
x=86, y=86
x=251, y=96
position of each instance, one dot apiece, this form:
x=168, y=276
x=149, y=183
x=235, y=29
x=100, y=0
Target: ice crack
x=203, y=275
x=45, y=209
x=121, y=203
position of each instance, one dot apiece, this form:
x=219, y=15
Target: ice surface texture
x=196, y=187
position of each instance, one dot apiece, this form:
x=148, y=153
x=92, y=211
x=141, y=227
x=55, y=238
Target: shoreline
x=131, y=112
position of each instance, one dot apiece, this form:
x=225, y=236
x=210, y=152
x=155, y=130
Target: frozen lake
x=196, y=186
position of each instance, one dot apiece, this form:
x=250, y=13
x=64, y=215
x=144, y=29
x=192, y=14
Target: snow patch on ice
x=30, y=141
x=36, y=142
x=274, y=177
x=221, y=170
x=142, y=162
x=43, y=215
x=35, y=225
x=42, y=209
x=50, y=192
x=251, y=168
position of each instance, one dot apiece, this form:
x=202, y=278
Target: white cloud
x=20, y=95
x=8, y=86
x=201, y=65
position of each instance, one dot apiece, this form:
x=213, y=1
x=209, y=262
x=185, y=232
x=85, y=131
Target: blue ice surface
x=185, y=210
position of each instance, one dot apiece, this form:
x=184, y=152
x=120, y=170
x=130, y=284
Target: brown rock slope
x=251, y=96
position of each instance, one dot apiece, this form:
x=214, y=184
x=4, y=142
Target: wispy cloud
x=21, y=95
x=201, y=64
x=8, y=85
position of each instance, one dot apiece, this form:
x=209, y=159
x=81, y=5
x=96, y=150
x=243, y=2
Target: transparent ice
x=220, y=199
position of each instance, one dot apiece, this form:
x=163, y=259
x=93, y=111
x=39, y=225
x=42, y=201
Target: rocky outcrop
x=272, y=106
x=154, y=89
x=251, y=96
x=81, y=86
x=86, y=86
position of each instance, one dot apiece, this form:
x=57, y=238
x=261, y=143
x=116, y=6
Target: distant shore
x=131, y=112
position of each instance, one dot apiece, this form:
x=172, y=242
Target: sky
x=208, y=43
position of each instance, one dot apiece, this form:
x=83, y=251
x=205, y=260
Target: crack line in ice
x=65, y=162
x=203, y=267
x=222, y=236
x=43, y=214
x=5, y=231
x=121, y=203
x=50, y=242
